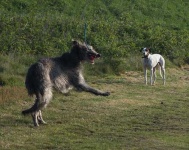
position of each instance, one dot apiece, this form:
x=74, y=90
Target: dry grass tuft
x=9, y=94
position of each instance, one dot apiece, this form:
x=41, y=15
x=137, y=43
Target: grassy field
x=134, y=116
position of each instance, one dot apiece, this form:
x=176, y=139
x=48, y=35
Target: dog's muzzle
x=98, y=55
x=92, y=57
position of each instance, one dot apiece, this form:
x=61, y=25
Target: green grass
x=134, y=116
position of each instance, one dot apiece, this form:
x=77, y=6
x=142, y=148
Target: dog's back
x=153, y=60
x=158, y=59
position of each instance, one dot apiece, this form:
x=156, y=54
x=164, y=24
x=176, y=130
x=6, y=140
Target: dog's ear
x=147, y=49
x=150, y=50
x=84, y=43
x=74, y=42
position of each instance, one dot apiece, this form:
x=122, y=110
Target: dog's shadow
x=14, y=120
x=8, y=121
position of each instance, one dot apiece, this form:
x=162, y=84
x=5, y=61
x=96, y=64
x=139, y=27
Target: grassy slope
x=134, y=116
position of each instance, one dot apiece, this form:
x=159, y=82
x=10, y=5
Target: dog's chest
x=146, y=63
x=150, y=62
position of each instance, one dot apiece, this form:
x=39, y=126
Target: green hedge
x=115, y=28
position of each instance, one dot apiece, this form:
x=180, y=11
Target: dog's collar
x=146, y=56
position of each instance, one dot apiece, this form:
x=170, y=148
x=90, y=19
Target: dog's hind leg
x=162, y=65
x=154, y=75
x=41, y=102
x=47, y=96
x=163, y=71
x=37, y=113
x=40, y=118
x=160, y=72
x=34, y=117
x=37, y=118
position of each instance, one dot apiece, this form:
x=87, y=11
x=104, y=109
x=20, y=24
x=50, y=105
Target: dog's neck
x=68, y=59
x=146, y=56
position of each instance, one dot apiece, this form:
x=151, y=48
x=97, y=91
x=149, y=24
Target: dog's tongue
x=92, y=59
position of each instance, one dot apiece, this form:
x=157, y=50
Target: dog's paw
x=106, y=94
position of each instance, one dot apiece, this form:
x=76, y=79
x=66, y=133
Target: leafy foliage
x=115, y=28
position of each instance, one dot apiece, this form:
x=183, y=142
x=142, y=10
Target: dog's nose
x=98, y=55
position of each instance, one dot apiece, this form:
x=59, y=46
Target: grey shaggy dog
x=61, y=73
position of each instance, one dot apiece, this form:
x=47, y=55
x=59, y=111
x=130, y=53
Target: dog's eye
x=85, y=49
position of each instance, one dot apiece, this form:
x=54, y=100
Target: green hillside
x=115, y=28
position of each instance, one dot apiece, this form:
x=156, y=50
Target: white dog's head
x=145, y=52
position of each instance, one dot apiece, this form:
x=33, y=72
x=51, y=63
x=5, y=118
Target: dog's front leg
x=145, y=75
x=154, y=75
x=87, y=88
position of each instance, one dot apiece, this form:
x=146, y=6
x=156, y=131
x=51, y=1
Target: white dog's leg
x=145, y=75
x=154, y=75
x=163, y=71
x=160, y=68
x=151, y=76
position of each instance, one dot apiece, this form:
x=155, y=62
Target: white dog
x=152, y=61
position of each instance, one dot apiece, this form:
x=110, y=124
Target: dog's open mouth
x=92, y=57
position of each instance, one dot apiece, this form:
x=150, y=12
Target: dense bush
x=115, y=28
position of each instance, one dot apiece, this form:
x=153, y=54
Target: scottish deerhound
x=62, y=73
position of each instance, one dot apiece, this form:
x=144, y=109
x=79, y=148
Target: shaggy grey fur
x=61, y=73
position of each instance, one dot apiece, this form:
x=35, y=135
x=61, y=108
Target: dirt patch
x=8, y=94
x=185, y=67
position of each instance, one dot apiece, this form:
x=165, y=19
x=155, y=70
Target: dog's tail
x=32, y=109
